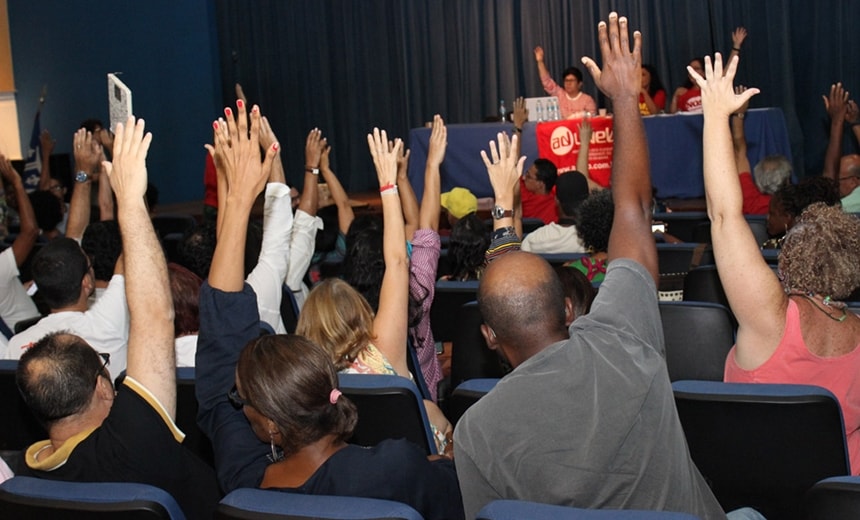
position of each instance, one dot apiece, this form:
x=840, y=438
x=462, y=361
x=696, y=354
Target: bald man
x=587, y=417
x=849, y=181
x=844, y=169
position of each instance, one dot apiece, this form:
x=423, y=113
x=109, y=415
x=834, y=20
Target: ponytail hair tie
x=332, y=397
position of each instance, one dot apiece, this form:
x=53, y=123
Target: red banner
x=559, y=142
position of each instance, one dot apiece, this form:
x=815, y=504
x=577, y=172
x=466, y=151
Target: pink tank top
x=793, y=363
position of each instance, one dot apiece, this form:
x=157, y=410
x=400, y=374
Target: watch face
x=81, y=177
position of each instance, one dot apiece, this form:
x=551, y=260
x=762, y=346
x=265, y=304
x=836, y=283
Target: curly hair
x=469, y=243
x=594, y=221
x=289, y=380
x=819, y=254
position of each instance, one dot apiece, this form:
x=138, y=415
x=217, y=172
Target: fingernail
x=240, y=103
x=276, y=146
x=215, y=125
x=228, y=112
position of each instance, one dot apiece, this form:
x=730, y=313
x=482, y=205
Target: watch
x=82, y=176
x=499, y=212
x=315, y=171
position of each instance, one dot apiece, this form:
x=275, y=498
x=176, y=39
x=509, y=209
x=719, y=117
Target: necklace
x=827, y=303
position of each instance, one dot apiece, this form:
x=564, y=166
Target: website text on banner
x=559, y=142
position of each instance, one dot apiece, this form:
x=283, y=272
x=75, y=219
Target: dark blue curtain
x=348, y=65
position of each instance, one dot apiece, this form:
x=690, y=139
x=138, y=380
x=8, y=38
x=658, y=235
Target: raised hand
x=267, y=135
x=237, y=153
x=384, y=157
x=837, y=102
x=7, y=171
x=740, y=89
x=438, y=141
x=127, y=171
x=621, y=76
x=314, y=145
x=538, y=53
x=47, y=143
x=852, y=112
x=521, y=113
x=738, y=37
x=503, y=166
x=88, y=151
x=402, y=163
x=718, y=95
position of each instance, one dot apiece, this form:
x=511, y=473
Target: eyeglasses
x=236, y=399
x=846, y=178
x=105, y=363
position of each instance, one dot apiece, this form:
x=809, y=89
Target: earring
x=272, y=444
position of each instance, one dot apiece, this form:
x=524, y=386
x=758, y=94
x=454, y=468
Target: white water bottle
x=502, y=110
x=539, y=110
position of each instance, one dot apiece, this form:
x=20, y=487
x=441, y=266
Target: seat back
x=465, y=395
x=680, y=258
x=18, y=428
x=446, y=304
x=389, y=407
x=762, y=445
x=519, y=509
x=702, y=284
x=682, y=224
x=835, y=497
x=28, y=497
x=698, y=338
x=260, y=504
x=470, y=357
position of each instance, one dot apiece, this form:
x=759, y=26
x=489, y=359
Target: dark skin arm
x=620, y=79
x=29, y=229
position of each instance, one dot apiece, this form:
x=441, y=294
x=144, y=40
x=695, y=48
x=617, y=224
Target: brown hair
x=819, y=254
x=185, y=289
x=339, y=319
x=289, y=380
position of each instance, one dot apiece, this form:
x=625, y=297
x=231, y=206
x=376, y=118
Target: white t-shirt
x=15, y=305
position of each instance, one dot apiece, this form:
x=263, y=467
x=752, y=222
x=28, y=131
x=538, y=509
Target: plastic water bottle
x=502, y=110
x=539, y=110
x=556, y=115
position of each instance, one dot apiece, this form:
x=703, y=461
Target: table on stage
x=674, y=144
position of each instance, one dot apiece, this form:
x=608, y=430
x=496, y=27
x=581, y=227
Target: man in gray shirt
x=587, y=418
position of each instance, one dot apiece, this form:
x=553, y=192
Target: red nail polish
x=228, y=112
x=255, y=109
x=240, y=103
x=276, y=147
x=215, y=125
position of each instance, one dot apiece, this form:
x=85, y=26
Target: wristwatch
x=499, y=212
x=82, y=176
x=315, y=171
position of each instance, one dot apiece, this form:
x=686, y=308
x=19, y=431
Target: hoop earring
x=275, y=457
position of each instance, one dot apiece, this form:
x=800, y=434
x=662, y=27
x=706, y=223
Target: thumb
x=108, y=167
x=592, y=68
x=748, y=93
x=270, y=157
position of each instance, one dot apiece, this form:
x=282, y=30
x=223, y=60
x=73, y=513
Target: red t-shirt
x=538, y=206
x=659, y=100
x=755, y=202
x=210, y=183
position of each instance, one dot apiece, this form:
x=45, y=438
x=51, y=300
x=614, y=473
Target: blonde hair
x=819, y=254
x=336, y=317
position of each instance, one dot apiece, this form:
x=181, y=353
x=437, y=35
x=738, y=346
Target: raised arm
x=105, y=195
x=88, y=155
x=621, y=80
x=739, y=141
x=314, y=145
x=47, y=146
x=267, y=139
x=754, y=293
x=431, y=201
x=738, y=37
x=29, y=232
x=585, y=131
x=390, y=322
x=151, y=356
x=542, y=70
x=852, y=117
x=836, y=105
x=237, y=156
x=345, y=214
x=408, y=200
x=504, y=168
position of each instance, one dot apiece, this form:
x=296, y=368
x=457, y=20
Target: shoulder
x=680, y=91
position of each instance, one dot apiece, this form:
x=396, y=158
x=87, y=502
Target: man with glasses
x=98, y=432
x=537, y=191
x=844, y=169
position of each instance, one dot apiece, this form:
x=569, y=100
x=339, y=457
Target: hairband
x=332, y=397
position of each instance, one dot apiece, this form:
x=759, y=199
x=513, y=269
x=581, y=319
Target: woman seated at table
x=572, y=101
x=689, y=97
x=791, y=328
x=652, y=98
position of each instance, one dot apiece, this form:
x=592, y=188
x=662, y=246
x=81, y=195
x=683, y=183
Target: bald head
x=522, y=300
x=849, y=174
